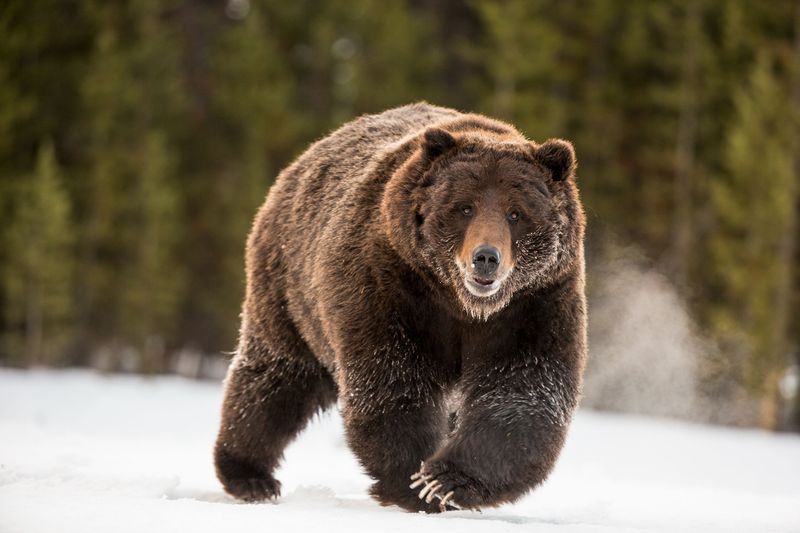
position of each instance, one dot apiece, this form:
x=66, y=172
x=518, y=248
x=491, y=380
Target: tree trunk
x=33, y=324
x=785, y=287
x=685, y=147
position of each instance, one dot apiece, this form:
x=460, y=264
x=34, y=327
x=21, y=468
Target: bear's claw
x=429, y=489
x=418, y=479
x=445, y=499
x=432, y=489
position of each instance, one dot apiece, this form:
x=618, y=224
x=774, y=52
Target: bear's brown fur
x=425, y=267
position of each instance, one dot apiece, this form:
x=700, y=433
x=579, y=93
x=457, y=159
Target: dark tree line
x=138, y=137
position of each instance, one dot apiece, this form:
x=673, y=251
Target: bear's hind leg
x=270, y=394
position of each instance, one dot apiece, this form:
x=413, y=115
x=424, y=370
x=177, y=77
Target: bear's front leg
x=514, y=421
x=393, y=414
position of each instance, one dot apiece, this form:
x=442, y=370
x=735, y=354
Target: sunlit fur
x=356, y=295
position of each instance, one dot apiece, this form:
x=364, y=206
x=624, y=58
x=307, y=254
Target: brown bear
x=424, y=267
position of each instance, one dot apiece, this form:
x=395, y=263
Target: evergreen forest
x=138, y=138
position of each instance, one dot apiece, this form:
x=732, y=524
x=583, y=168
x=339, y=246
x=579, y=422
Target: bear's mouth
x=481, y=286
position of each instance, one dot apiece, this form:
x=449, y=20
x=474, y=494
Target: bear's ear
x=437, y=141
x=557, y=155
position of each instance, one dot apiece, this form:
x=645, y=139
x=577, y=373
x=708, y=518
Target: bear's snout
x=485, y=256
x=485, y=260
x=484, y=274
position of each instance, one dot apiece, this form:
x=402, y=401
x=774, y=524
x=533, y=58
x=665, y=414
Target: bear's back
x=319, y=201
x=309, y=190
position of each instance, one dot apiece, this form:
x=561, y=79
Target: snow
x=84, y=452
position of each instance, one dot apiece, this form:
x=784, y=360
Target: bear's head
x=486, y=215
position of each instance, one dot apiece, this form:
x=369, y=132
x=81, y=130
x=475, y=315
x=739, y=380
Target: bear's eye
x=466, y=210
x=513, y=216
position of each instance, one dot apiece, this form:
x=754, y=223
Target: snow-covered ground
x=85, y=453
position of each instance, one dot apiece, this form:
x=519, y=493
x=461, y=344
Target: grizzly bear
x=425, y=268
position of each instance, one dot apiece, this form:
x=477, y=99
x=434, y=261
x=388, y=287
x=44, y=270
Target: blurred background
x=137, y=139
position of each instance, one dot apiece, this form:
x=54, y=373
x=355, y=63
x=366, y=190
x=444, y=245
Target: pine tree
x=153, y=277
x=688, y=106
x=38, y=273
x=531, y=65
x=132, y=275
x=246, y=123
x=754, y=214
x=373, y=40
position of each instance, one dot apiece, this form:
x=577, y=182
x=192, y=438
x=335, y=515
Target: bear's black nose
x=485, y=260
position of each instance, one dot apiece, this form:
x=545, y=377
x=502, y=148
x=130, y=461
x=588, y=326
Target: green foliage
x=521, y=59
x=37, y=273
x=153, y=274
x=133, y=98
x=753, y=213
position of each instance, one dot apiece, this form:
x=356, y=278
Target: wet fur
x=353, y=294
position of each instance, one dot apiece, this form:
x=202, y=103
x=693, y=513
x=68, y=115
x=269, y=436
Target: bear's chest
x=455, y=345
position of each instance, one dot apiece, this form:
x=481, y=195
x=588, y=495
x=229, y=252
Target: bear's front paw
x=243, y=480
x=253, y=489
x=452, y=488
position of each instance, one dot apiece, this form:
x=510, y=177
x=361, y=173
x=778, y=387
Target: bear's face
x=487, y=218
